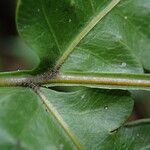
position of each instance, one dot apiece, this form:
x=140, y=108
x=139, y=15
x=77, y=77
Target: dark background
x=7, y=15
x=13, y=51
x=12, y=55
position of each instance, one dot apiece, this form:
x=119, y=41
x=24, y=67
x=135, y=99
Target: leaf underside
x=89, y=113
x=116, y=42
x=81, y=37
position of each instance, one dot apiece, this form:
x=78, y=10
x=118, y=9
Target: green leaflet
x=136, y=12
x=90, y=38
x=91, y=115
x=25, y=125
x=33, y=122
x=135, y=137
x=81, y=37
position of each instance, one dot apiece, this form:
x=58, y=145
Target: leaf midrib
x=62, y=59
x=60, y=120
x=85, y=31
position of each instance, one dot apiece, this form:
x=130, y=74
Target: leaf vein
x=85, y=31
x=92, y=5
x=50, y=27
x=60, y=120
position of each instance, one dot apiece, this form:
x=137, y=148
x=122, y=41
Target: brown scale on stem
x=36, y=81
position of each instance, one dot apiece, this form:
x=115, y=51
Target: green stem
x=103, y=80
x=11, y=81
x=16, y=78
x=121, y=81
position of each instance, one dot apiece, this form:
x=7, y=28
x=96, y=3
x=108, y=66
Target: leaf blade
x=45, y=47
x=31, y=122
